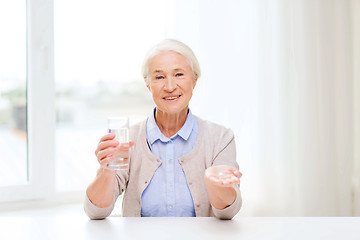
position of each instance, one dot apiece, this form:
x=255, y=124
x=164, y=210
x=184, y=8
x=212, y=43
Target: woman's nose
x=170, y=84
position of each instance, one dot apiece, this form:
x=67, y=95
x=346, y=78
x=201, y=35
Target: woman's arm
x=219, y=181
x=222, y=178
x=102, y=192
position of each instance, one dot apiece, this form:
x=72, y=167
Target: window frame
x=40, y=105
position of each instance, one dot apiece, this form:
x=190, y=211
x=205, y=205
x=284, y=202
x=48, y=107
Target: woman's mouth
x=172, y=98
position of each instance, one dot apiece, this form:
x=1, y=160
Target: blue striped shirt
x=168, y=194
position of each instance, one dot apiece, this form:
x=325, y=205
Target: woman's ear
x=195, y=81
x=147, y=83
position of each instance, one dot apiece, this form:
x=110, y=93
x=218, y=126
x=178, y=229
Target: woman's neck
x=170, y=124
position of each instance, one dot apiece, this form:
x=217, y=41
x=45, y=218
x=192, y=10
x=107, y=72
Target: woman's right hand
x=108, y=147
x=100, y=192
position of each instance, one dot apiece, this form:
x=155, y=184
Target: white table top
x=74, y=224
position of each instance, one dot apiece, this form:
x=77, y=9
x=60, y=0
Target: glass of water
x=120, y=127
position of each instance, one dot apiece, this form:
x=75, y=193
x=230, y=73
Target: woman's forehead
x=168, y=60
x=162, y=70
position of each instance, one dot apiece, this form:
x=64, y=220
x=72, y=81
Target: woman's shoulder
x=209, y=129
x=213, y=139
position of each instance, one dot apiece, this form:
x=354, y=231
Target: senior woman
x=179, y=164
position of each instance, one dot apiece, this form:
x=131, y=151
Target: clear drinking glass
x=119, y=126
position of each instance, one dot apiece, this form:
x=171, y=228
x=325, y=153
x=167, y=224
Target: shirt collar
x=188, y=126
x=153, y=132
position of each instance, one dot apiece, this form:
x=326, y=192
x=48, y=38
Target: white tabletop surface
x=72, y=223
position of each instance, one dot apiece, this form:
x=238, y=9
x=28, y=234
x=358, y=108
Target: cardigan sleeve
x=225, y=154
x=230, y=211
x=95, y=212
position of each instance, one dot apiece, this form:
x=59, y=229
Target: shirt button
x=169, y=161
x=170, y=185
x=171, y=206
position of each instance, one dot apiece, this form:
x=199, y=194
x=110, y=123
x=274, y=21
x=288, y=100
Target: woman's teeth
x=172, y=98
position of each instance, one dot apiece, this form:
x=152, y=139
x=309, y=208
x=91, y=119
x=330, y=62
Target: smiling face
x=171, y=82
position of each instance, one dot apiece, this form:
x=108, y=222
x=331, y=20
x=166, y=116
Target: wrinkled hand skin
x=219, y=181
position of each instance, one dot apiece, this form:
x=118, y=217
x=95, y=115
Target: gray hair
x=171, y=45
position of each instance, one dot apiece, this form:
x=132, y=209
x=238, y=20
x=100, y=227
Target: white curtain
x=305, y=109
x=284, y=75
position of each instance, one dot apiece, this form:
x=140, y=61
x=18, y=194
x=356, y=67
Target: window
x=27, y=121
x=99, y=48
x=98, y=57
x=13, y=126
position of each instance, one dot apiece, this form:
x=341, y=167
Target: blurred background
x=284, y=75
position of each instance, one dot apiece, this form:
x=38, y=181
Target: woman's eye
x=179, y=74
x=159, y=77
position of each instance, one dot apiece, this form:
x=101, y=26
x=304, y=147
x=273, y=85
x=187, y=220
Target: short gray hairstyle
x=171, y=45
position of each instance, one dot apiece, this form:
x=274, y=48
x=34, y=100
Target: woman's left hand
x=222, y=175
x=219, y=181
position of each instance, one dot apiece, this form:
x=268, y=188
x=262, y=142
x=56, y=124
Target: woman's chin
x=173, y=110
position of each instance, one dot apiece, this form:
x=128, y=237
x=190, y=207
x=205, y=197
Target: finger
x=105, y=153
x=106, y=144
x=231, y=181
x=105, y=138
x=235, y=172
x=225, y=181
x=218, y=181
x=234, y=180
x=126, y=146
x=109, y=136
x=122, y=152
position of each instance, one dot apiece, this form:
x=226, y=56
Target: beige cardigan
x=215, y=145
